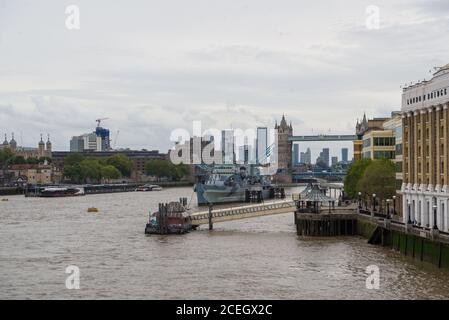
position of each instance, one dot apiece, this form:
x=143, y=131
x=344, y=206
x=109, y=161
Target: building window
x=399, y=149
x=384, y=155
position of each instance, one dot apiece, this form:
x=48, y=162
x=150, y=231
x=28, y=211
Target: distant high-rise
x=334, y=161
x=99, y=140
x=261, y=145
x=227, y=146
x=344, y=155
x=325, y=156
x=306, y=157
x=244, y=152
x=295, y=154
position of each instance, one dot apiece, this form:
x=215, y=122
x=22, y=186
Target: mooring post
x=211, y=226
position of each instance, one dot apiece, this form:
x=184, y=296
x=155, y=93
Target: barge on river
x=171, y=218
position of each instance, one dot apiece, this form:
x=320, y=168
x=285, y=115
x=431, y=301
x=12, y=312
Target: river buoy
x=92, y=210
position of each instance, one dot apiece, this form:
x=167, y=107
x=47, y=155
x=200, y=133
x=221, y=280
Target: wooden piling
x=310, y=224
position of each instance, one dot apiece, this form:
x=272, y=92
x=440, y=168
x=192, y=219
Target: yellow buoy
x=92, y=210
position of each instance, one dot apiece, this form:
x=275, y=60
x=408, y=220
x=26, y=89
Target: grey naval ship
x=227, y=184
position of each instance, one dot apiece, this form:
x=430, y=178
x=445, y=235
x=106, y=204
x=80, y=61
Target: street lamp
x=388, y=208
x=394, y=205
x=360, y=200
x=435, y=217
x=409, y=213
x=374, y=202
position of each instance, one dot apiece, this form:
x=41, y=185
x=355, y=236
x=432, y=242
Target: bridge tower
x=284, y=145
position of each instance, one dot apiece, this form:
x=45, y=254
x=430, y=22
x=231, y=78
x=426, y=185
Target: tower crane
x=99, y=121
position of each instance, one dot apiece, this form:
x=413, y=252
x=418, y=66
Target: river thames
x=259, y=258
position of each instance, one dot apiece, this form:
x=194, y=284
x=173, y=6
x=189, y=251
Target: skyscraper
x=261, y=145
x=306, y=157
x=227, y=146
x=334, y=161
x=325, y=156
x=344, y=155
x=295, y=154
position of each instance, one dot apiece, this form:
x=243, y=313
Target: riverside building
x=425, y=151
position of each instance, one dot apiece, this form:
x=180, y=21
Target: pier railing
x=256, y=210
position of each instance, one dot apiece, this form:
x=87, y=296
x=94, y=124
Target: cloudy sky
x=153, y=66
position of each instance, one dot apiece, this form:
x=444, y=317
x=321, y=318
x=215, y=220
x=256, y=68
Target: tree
x=158, y=168
x=91, y=169
x=19, y=160
x=180, y=171
x=110, y=172
x=163, y=168
x=379, y=178
x=32, y=160
x=72, y=159
x=43, y=159
x=6, y=155
x=355, y=173
x=73, y=172
x=122, y=163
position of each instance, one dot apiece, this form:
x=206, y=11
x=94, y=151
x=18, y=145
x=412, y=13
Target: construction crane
x=115, y=139
x=99, y=121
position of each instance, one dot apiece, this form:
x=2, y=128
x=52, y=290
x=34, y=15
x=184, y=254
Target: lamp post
x=374, y=202
x=388, y=208
x=435, y=217
x=408, y=212
x=360, y=200
x=394, y=205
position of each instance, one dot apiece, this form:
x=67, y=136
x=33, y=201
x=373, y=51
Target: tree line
x=166, y=169
x=80, y=169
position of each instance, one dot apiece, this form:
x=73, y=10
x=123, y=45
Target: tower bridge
x=322, y=137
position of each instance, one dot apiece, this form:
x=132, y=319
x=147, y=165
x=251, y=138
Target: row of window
x=380, y=154
x=384, y=155
x=384, y=141
x=432, y=95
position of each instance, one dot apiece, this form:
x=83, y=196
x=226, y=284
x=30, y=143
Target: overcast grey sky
x=153, y=66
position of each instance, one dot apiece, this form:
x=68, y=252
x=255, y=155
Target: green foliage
x=72, y=159
x=355, y=173
x=379, y=178
x=32, y=160
x=18, y=160
x=43, y=159
x=6, y=156
x=163, y=168
x=81, y=170
x=110, y=172
x=74, y=173
x=122, y=163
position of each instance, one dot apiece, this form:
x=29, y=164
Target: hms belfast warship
x=227, y=184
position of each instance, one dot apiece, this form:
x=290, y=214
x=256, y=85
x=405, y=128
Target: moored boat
x=226, y=187
x=53, y=192
x=149, y=187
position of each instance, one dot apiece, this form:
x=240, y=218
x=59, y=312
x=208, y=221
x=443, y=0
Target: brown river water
x=259, y=258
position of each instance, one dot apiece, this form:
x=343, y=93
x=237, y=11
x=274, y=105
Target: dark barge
x=171, y=218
